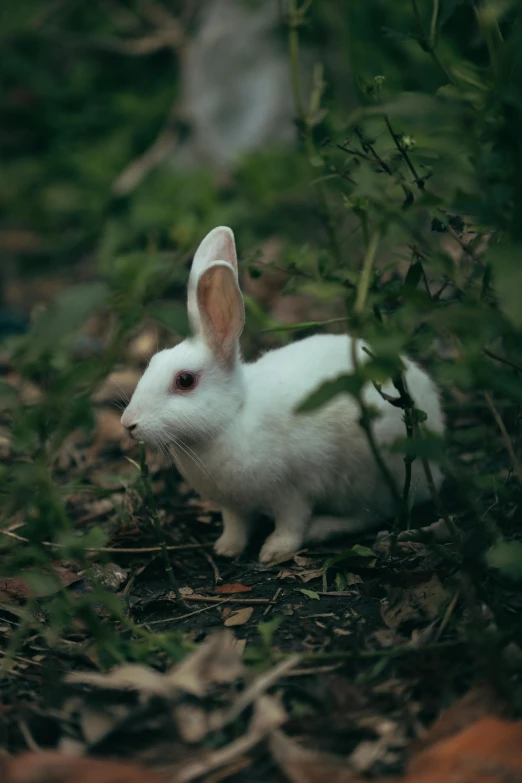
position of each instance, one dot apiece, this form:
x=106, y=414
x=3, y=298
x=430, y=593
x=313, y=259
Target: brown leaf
x=214, y=661
x=232, y=588
x=489, y=751
x=479, y=702
x=421, y=602
x=240, y=617
x=52, y=767
x=19, y=589
x=302, y=765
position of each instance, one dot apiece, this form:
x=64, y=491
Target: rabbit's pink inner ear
x=221, y=310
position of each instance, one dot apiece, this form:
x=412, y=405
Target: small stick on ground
x=119, y=550
x=210, y=561
x=190, y=614
x=273, y=601
x=215, y=600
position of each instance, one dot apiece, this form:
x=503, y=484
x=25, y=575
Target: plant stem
x=437, y=502
x=366, y=425
x=418, y=180
x=144, y=472
x=428, y=46
x=491, y=33
x=433, y=25
x=502, y=359
x=366, y=273
x=505, y=435
x=295, y=17
x=408, y=406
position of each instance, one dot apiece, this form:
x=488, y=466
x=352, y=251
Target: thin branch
x=120, y=550
x=366, y=425
x=427, y=46
x=404, y=153
x=502, y=359
x=505, y=435
x=366, y=273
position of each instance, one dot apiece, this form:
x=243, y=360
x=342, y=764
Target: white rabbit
x=234, y=433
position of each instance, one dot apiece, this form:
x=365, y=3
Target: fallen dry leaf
x=232, y=588
x=214, y=661
x=240, y=617
x=489, y=751
x=479, y=702
x=302, y=765
x=51, y=767
x=420, y=602
x=37, y=584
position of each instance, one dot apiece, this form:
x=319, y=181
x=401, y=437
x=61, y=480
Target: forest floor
x=334, y=661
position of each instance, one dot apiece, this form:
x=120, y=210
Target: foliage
x=402, y=198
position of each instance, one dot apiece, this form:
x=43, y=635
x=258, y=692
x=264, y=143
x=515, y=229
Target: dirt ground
x=352, y=649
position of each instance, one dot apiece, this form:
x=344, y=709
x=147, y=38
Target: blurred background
x=132, y=127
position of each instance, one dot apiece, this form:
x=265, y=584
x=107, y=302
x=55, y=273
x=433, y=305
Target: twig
x=184, y=616
x=505, y=435
x=295, y=19
x=144, y=473
x=433, y=490
x=447, y=615
x=273, y=601
x=408, y=406
x=304, y=325
x=370, y=148
x=118, y=550
x=138, y=169
x=502, y=359
x=215, y=569
x=214, y=599
x=367, y=427
x=418, y=180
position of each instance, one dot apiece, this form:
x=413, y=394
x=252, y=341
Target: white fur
x=238, y=441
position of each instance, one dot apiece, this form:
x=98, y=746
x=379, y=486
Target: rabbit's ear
x=221, y=310
x=218, y=245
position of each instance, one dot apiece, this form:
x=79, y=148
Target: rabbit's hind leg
x=323, y=527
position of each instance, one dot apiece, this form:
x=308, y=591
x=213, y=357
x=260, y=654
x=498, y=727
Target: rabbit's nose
x=130, y=428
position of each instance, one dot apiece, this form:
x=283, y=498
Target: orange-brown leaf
x=232, y=588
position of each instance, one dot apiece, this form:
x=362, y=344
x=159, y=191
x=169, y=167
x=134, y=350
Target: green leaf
x=507, y=275
x=310, y=593
x=344, y=384
x=268, y=629
x=356, y=552
x=507, y=558
x=428, y=447
x=413, y=275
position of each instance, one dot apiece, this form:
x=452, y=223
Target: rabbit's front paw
x=230, y=544
x=279, y=544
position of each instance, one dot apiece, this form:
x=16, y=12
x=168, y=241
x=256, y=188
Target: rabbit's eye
x=185, y=381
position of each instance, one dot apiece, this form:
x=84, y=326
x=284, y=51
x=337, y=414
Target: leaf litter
x=340, y=660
